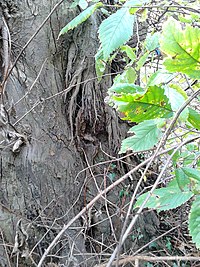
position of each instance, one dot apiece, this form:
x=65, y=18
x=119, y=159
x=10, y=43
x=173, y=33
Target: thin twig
x=38, y=102
x=30, y=40
x=91, y=203
x=6, y=47
x=147, y=198
x=161, y=143
x=33, y=84
x=6, y=251
x=160, y=7
x=33, y=107
x=157, y=238
x=169, y=129
x=152, y=259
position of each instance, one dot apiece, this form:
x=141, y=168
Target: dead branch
x=91, y=203
x=151, y=259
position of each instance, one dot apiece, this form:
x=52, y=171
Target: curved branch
x=132, y=223
x=91, y=203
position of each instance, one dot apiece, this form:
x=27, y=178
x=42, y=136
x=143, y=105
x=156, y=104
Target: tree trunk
x=48, y=137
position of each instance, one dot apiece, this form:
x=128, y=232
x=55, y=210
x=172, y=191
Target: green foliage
x=178, y=189
x=127, y=77
x=83, y=4
x=160, y=99
x=100, y=64
x=160, y=77
x=125, y=88
x=160, y=93
x=115, y=31
x=176, y=99
x=194, y=221
x=142, y=60
x=182, y=48
x=181, y=180
x=186, y=157
x=192, y=173
x=161, y=201
x=138, y=107
x=194, y=118
x=130, y=52
x=183, y=187
x=131, y=3
x=152, y=41
x=83, y=16
x=147, y=134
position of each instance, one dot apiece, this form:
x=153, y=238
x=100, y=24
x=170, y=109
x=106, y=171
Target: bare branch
x=91, y=203
x=152, y=259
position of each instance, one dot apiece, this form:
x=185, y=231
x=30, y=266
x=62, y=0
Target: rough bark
x=40, y=189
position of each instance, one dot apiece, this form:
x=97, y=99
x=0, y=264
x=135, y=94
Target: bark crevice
x=39, y=192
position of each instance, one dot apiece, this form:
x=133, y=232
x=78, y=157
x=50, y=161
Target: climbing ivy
x=154, y=103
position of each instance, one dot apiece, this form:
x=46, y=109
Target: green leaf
x=127, y=77
x=192, y=173
x=181, y=180
x=186, y=179
x=174, y=195
x=130, y=75
x=179, y=89
x=120, y=87
x=194, y=118
x=176, y=100
x=189, y=18
x=160, y=77
x=100, y=64
x=181, y=47
x=194, y=221
x=112, y=176
x=83, y=16
x=175, y=157
x=129, y=51
x=144, y=14
x=83, y=4
x=131, y=3
x=147, y=134
x=142, y=60
x=127, y=88
x=139, y=107
x=124, y=83
x=152, y=41
x=188, y=158
x=165, y=198
x=115, y=31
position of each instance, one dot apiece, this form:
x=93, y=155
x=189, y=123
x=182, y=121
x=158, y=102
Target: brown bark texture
x=48, y=137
